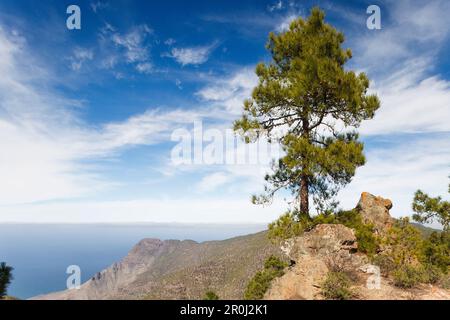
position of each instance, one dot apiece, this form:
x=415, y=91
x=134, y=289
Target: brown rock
x=326, y=247
x=375, y=210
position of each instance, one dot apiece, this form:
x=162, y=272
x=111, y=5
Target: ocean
x=41, y=253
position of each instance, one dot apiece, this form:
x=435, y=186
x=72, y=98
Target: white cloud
x=178, y=83
x=192, y=55
x=145, y=67
x=43, y=139
x=276, y=6
x=414, y=28
x=396, y=169
x=80, y=56
x=170, y=42
x=286, y=22
x=159, y=210
x=229, y=93
x=98, y=5
x=211, y=182
x=410, y=106
x=133, y=43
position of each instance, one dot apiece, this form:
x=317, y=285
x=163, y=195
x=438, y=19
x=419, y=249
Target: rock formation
x=375, y=210
x=333, y=248
x=326, y=247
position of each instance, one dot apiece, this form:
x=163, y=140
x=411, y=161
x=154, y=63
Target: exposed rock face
x=326, y=247
x=375, y=210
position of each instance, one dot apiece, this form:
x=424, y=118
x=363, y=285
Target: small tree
x=305, y=100
x=429, y=209
x=260, y=283
x=5, y=278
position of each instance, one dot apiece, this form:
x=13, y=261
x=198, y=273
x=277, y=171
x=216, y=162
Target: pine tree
x=428, y=209
x=306, y=101
x=5, y=278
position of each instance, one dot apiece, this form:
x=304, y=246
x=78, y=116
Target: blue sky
x=87, y=116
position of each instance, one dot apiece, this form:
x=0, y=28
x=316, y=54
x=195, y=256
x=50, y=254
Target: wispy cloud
x=192, y=55
x=145, y=67
x=396, y=168
x=213, y=181
x=80, y=56
x=276, y=6
x=98, y=5
x=45, y=144
x=414, y=28
x=229, y=92
x=133, y=43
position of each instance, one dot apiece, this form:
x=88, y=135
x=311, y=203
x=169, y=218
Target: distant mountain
x=156, y=269
x=426, y=231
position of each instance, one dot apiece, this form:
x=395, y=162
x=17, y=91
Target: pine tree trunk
x=304, y=191
x=304, y=196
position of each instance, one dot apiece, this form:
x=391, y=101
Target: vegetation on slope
x=260, y=283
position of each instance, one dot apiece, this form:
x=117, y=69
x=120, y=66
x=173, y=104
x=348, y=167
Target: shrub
x=368, y=242
x=260, y=283
x=211, y=295
x=431, y=274
x=436, y=250
x=294, y=224
x=444, y=282
x=405, y=243
x=385, y=263
x=336, y=286
x=287, y=226
x=407, y=276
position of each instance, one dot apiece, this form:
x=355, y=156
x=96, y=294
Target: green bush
x=407, y=276
x=386, y=264
x=294, y=224
x=336, y=286
x=431, y=274
x=368, y=241
x=260, y=283
x=287, y=226
x=436, y=251
x=211, y=295
x=444, y=282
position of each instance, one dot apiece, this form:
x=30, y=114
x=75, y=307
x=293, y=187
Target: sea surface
x=41, y=253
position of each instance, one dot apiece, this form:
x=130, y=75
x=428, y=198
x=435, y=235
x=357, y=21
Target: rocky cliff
x=156, y=269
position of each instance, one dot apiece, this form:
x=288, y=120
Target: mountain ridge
x=175, y=269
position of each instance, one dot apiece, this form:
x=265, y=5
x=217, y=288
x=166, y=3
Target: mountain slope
x=156, y=269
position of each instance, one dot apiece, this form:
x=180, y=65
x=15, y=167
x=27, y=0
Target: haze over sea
x=41, y=253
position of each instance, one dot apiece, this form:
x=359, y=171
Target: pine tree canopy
x=306, y=101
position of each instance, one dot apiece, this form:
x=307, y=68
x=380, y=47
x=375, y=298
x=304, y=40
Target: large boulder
x=375, y=210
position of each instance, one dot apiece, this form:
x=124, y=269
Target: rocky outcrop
x=375, y=210
x=326, y=247
x=334, y=248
